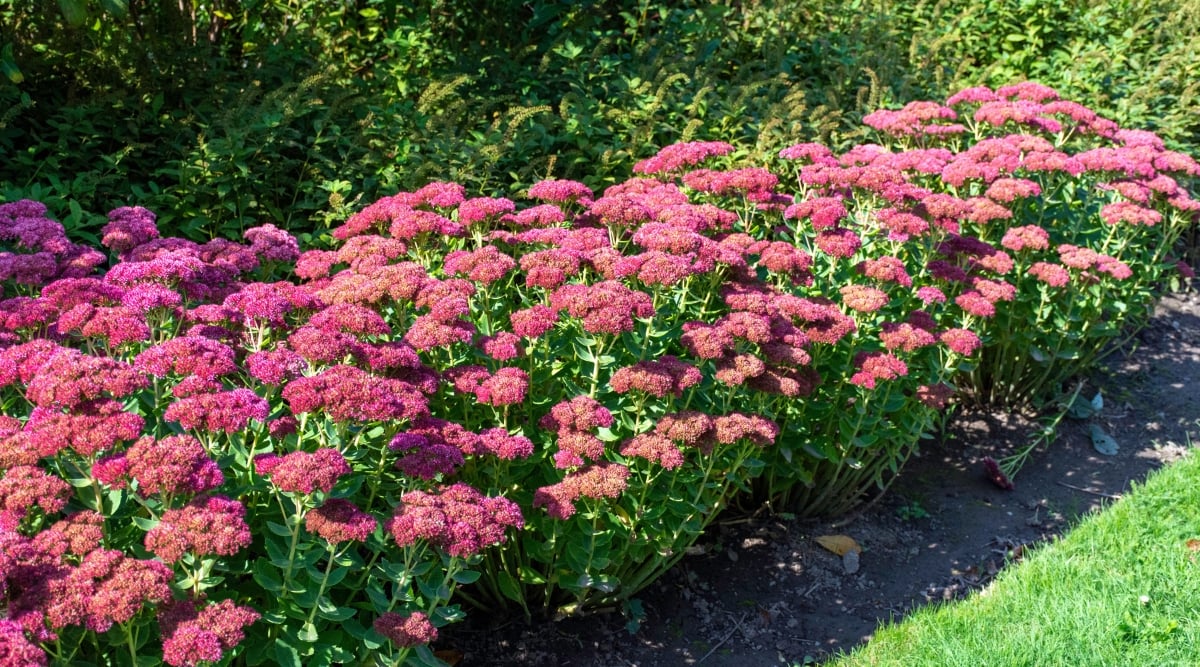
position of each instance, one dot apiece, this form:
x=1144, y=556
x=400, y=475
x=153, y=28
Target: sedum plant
x=244, y=451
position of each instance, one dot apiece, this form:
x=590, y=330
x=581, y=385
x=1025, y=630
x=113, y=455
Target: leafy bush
x=244, y=113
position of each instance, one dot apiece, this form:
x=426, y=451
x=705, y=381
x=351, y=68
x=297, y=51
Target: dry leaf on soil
x=839, y=544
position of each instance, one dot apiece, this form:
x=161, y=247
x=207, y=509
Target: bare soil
x=761, y=591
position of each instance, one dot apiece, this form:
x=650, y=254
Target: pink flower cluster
x=599, y=480
x=176, y=465
x=664, y=376
x=193, y=636
x=572, y=421
x=406, y=631
x=338, y=520
x=676, y=157
x=456, y=518
x=212, y=526
x=348, y=394
x=303, y=472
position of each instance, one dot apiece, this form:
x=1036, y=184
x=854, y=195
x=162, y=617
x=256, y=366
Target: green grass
x=1122, y=588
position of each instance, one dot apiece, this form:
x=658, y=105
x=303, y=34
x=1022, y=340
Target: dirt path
x=764, y=593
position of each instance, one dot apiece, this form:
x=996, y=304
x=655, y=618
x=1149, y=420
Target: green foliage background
x=220, y=115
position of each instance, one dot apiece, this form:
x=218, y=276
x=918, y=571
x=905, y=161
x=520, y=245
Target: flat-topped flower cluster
x=250, y=450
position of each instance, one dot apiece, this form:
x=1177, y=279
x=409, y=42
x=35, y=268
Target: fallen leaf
x=449, y=656
x=839, y=544
x=1103, y=442
x=1193, y=544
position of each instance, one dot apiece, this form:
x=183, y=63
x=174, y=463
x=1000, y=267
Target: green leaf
x=144, y=523
x=8, y=65
x=73, y=11
x=308, y=633
x=276, y=552
x=1080, y=408
x=530, y=576
x=327, y=610
x=279, y=529
x=286, y=654
x=267, y=575
x=466, y=576
x=118, y=8
x=509, y=587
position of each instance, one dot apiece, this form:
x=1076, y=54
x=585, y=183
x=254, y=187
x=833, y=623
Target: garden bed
x=763, y=592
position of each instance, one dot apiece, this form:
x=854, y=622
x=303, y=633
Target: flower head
x=213, y=526
x=303, y=472
x=222, y=411
x=338, y=520
x=27, y=486
x=456, y=518
x=414, y=629
x=193, y=636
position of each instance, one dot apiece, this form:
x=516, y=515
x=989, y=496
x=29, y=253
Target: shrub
x=308, y=456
